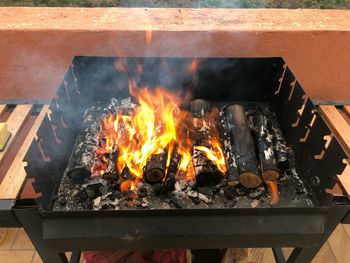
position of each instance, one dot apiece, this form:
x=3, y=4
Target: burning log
x=199, y=107
x=232, y=174
x=125, y=175
x=243, y=147
x=264, y=139
x=206, y=172
x=83, y=154
x=111, y=172
x=154, y=171
x=172, y=170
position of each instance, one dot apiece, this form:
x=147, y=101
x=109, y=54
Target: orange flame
x=216, y=155
x=157, y=124
x=272, y=185
x=127, y=185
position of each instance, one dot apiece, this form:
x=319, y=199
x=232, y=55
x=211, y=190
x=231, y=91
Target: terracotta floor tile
x=37, y=258
x=268, y=256
x=22, y=241
x=287, y=251
x=325, y=255
x=339, y=243
x=16, y=256
x=9, y=239
x=347, y=229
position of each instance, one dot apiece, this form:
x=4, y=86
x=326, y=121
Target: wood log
x=232, y=174
x=206, y=172
x=111, y=172
x=280, y=146
x=83, y=154
x=125, y=175
x=172, y=171
x=243, y=147
x=154, y=171
x=199, y=107
x=264, y=138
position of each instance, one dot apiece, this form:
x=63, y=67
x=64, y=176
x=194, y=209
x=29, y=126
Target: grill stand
x=53, y=252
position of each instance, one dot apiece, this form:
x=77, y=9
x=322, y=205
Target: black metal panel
x=279, y=99
x=181, y=228
x=327, y=168
x=303, y=125
x=7, y=217
x=217, y=79
x=305, y=155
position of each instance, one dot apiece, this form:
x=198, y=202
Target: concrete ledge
x=38, y=44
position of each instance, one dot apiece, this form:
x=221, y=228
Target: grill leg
x=278, y=254
x=30, y=220
x=333, y=218
x=75, y=258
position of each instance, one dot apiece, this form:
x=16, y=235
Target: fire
x=216, y=155
x=272, y=185
x=127, y=185
x=155, y=126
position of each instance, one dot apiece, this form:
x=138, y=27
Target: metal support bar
x=278, y=254
x=31, y=222
x=75, y=257
x=334, y=216
x=7, y=217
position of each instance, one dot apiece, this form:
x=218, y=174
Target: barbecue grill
x=242, y=80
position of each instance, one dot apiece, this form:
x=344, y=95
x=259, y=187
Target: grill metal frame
x=306, y=229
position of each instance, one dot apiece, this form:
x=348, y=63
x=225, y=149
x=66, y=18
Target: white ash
x=95, y=180
x=204, y=198
x=192, y=193
x=96, y=203
x=179, y=194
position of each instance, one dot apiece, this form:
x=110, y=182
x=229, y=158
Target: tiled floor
x=17, y=248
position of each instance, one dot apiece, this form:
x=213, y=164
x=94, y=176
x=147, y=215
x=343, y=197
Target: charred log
x=243, y=147
x=267, y=158
x=172, y=170
x=83, y=154
x=199, y=107
x=111, y=172
x=206, y=172
x=154, y=171
x=125, y=175
x=232, y=174
x=280, y=147
x=84, y=150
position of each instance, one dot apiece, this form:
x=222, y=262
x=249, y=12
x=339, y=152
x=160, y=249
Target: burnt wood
x=243, y=147
x=111, y=173
x=154, y=171
x=264, y=138
x=232, y=173
x=206, y=172
x=172, y=170
x=280, y=147
x=84, y=153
